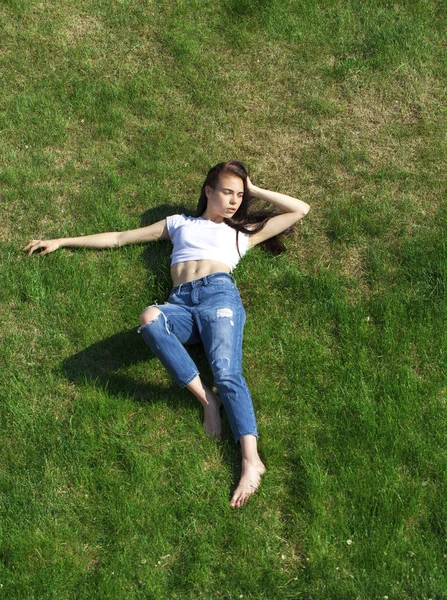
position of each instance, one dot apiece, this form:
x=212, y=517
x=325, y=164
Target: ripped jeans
x=207, y=310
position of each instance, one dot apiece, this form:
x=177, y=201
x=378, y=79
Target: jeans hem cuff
x=255, y=433
x=183, y=385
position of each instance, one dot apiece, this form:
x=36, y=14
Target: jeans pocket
x=223, y=283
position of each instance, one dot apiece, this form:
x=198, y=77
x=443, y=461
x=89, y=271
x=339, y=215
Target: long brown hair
x=243, y=220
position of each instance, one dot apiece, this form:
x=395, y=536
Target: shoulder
x=175, y=220
x=176, y=223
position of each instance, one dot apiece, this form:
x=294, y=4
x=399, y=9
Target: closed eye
x=240, y=194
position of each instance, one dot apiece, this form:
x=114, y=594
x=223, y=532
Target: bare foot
x=212, y=423
x=248, y=483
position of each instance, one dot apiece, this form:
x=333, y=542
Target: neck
x=210, y=217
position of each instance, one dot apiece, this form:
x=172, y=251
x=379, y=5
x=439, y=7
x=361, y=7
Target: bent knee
x=149, y=315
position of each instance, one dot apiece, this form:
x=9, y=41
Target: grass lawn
x=111, y=113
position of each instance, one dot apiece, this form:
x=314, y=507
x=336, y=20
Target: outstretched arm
x=294, y=210
x=112, y=239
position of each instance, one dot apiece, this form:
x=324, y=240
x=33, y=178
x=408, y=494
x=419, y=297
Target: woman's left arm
x=294, y=210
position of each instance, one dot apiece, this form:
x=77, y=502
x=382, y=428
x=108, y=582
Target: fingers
x=31, y=246
x=34, y=245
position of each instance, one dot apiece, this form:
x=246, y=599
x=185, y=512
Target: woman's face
x=225, y=199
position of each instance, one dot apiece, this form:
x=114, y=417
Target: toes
x=248, y=485
x=240, y=501
x=234, y=502
x=243, y=500
x=241, y=497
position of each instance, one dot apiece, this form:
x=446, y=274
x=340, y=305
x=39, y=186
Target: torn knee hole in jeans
x=220, y=364
x=154, y=320
x=222, y=313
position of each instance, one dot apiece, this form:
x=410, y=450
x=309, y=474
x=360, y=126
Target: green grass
x=111, y=115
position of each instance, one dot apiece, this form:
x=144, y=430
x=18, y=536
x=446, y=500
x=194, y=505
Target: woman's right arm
x=156, y=231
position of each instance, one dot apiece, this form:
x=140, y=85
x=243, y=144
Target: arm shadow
x=156, y=256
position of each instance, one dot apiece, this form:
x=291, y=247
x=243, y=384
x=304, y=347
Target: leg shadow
x=104, y=364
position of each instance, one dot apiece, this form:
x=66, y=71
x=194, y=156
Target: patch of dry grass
x=79, y=28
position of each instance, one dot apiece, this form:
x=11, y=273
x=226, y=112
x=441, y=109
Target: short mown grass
x=111, y=115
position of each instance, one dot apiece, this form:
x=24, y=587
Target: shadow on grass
x=105, y=362
x=102, y=363
x=156, y=256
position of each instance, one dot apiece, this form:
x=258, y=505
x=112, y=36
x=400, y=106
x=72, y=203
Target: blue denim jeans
x=207, y=310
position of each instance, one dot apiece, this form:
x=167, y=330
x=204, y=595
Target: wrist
x=254, y=190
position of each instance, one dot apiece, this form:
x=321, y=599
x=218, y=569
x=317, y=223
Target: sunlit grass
x=112, y=113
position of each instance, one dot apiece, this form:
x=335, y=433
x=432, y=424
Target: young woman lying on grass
x=204, y=304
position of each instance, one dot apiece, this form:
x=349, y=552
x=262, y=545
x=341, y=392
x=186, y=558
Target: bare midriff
x=196, y=269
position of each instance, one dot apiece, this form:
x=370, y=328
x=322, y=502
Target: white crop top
x=195, y=238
